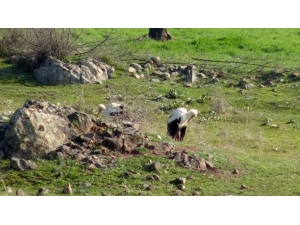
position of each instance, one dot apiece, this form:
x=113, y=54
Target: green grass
x=267, y=157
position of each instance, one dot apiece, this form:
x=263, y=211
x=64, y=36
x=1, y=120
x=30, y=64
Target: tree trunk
x=159, y=34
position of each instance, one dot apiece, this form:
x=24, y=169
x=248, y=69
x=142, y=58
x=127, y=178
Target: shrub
x=28, y=48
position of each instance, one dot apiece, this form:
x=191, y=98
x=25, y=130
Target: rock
x=188, y=85
x=180, y=180
x=42, y=191
x=156, y=177
x=98, y=70
x=209, y=164
x=88, y=71
x=36, y=129
x=295, y=75
x=8, y=190
x=243, y=186
x=151, y=178
x=156, y=166
x=86, y=184
x=22, y=164
x=181, y=187
x=136, y=66
x=82, y=121
x=20, y=192
x=195, y=193
x=144, y=185
x=147, y=66
x=178, y=193
x=112, y=144
x=131, y=69
x=155, y=59
x=68, y=189
x=191, y=76
x=235, y=171
x=202, y=75
x=155, y=80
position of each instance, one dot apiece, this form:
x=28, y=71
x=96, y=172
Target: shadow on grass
x=11, y=75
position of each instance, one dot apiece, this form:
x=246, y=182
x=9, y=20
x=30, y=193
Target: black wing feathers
x=173, y=127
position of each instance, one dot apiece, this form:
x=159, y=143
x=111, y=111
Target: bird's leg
x=177, y=136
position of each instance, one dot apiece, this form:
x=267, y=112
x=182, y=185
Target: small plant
x=266, y=122
x=174, y=105
x=173, y=93
x=190, y=101
x=203, y=98
x=158, y=98
x=141, y=150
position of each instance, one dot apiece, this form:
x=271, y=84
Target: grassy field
x=267, y=156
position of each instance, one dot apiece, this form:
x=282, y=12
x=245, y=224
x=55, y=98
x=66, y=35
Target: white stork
x=113, y=109
x=178, y=121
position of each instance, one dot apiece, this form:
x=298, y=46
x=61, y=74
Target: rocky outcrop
x=36, y=129
x=88, y=71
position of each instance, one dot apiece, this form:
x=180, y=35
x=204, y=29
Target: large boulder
x=88, y=71
x=36, y=129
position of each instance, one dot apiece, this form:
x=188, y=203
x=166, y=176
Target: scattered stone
x=8, y=190
x=144, y=185
x=190, y=177
x=180, y=180
x=178, y=193
x=131, y=69
x=42, y=191
x=125, y=192
x=181, y=187
x=209, y=164
x=151, y=178
x=156, y=166
x=156, y=177
x=20, y=192
x=188, y=85
x=235, y=171
x=155, y=59
x=136, y=66
x=155, y=80
x=295, y=75
x=150, y=187
x=86, y=184
x=22, y=164
x=243, y=186
x=195, y=193
x=68, y=189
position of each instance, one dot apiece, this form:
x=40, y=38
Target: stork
x=178, y=121
x=113, y=109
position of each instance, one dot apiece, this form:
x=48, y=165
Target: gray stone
x=82, y=121
x=22, y=164
x=36, y=129
x=56, y=72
